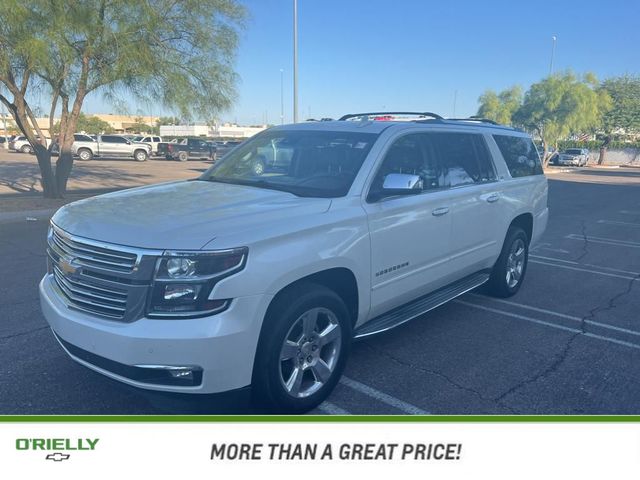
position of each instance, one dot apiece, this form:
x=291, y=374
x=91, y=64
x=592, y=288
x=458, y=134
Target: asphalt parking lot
x=567, y=343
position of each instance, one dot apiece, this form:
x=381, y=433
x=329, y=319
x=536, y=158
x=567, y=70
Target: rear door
x=476, y=202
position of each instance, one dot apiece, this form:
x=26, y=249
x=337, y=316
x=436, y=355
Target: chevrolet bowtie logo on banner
x=58, y=457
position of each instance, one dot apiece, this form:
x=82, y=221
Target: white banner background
x=182, y=450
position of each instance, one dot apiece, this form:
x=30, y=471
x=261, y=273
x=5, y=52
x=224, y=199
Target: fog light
x=180, y=291
x=186, y=374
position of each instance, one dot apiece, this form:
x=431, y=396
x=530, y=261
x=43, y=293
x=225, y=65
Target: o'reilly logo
x=57, y=445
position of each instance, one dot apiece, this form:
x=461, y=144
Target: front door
x=410, y=234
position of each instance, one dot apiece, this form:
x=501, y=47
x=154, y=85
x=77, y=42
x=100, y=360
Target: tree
x=176, y=53
x=625, y=112
x=87, y=124
x=562, y=104
x=500, y=107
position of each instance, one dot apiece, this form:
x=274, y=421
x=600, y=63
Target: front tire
x=85, y=154
x=26, y=149
x=183, y=156
x=303, y=348
x=509, y=270
x=140, y=155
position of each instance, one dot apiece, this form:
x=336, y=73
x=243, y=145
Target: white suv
x=262, y=277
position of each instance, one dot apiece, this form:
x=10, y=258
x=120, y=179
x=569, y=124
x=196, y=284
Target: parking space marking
x=382, y=397
x=547, y=246
x=332, y=409
x=603, y=240
x=614, y=222
x=609, y=269
x=629, y=212
x=558, y=314
x=567, y=267
x=549, y=324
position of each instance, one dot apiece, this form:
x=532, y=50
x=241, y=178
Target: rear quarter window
x=520, y=155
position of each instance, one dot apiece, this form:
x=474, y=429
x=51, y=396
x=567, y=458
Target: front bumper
x=222, y=347
x=572, y=161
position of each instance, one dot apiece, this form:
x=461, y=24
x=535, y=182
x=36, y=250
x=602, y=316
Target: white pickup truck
x=262, y=277
x=87, y=148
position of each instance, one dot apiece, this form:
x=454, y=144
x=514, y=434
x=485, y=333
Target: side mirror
x=402, y=182
x=398, y=184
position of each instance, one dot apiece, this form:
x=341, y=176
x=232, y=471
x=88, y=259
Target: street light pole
x=295, y=61
x=281, y=97
x=553, y=52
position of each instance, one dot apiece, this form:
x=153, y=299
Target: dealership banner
x=265, y=450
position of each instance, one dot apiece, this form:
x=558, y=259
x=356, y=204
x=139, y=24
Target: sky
x=417, y=55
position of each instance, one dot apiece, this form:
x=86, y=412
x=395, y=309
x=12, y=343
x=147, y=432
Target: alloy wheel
x=310, y=352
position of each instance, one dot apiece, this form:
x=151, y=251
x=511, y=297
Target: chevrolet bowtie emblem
x=66, y=265
x=58, y=457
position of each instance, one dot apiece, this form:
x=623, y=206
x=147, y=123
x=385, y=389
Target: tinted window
x=82, y=138
x=464, y=159
x=108, y=139
x=574, y=151
x=412, y=154
x=156, y=139
x=520, y=155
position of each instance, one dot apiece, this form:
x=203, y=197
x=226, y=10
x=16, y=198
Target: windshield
x=573, y=151
x=305, y=163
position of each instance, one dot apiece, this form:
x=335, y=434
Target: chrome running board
x=422, y=305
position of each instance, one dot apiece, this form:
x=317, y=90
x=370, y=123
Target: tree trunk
x=65, y=162
x=48, y=181
x=603, y=153
x=603, y=149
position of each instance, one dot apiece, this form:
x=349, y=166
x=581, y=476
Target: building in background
x=226, y=130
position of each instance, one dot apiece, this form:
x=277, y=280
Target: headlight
x=184, y=280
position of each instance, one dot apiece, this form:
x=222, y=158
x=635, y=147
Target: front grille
x=90, y=297
x=92, y=255
x=101, y=279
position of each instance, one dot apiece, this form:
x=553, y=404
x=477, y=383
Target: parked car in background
x=573, y=156
x=110, y=146
x=22, y=145
x=152, y=140
x=225, y=147
x=189, y=149
x=163, y=147
x=4, y=141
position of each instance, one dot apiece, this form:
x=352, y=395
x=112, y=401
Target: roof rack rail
x=474, y=119
x=369, y=114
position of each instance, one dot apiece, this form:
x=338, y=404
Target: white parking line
x=629, y=212
x=332, y=409
x=603, y=240
x=382, y=397
x=558, y=314
x=549, y=324
x=614, y=222
x=609, y=269
x=567, y=267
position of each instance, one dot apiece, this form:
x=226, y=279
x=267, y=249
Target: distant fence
x=622, y=156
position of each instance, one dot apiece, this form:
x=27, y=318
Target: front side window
x=520, y=155
x=302, y=162
x=411, y=154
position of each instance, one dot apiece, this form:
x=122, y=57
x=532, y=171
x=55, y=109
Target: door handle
x=494, y=197
x=438, y=212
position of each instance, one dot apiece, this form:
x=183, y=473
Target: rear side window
x=464, y=159
x=520, y=155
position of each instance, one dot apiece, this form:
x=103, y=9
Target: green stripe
x=319, y=418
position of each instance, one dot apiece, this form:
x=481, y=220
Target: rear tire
x=509, y=270
x=303, y=348
x=26, y=149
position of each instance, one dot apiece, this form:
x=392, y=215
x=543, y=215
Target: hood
x=181, y=215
